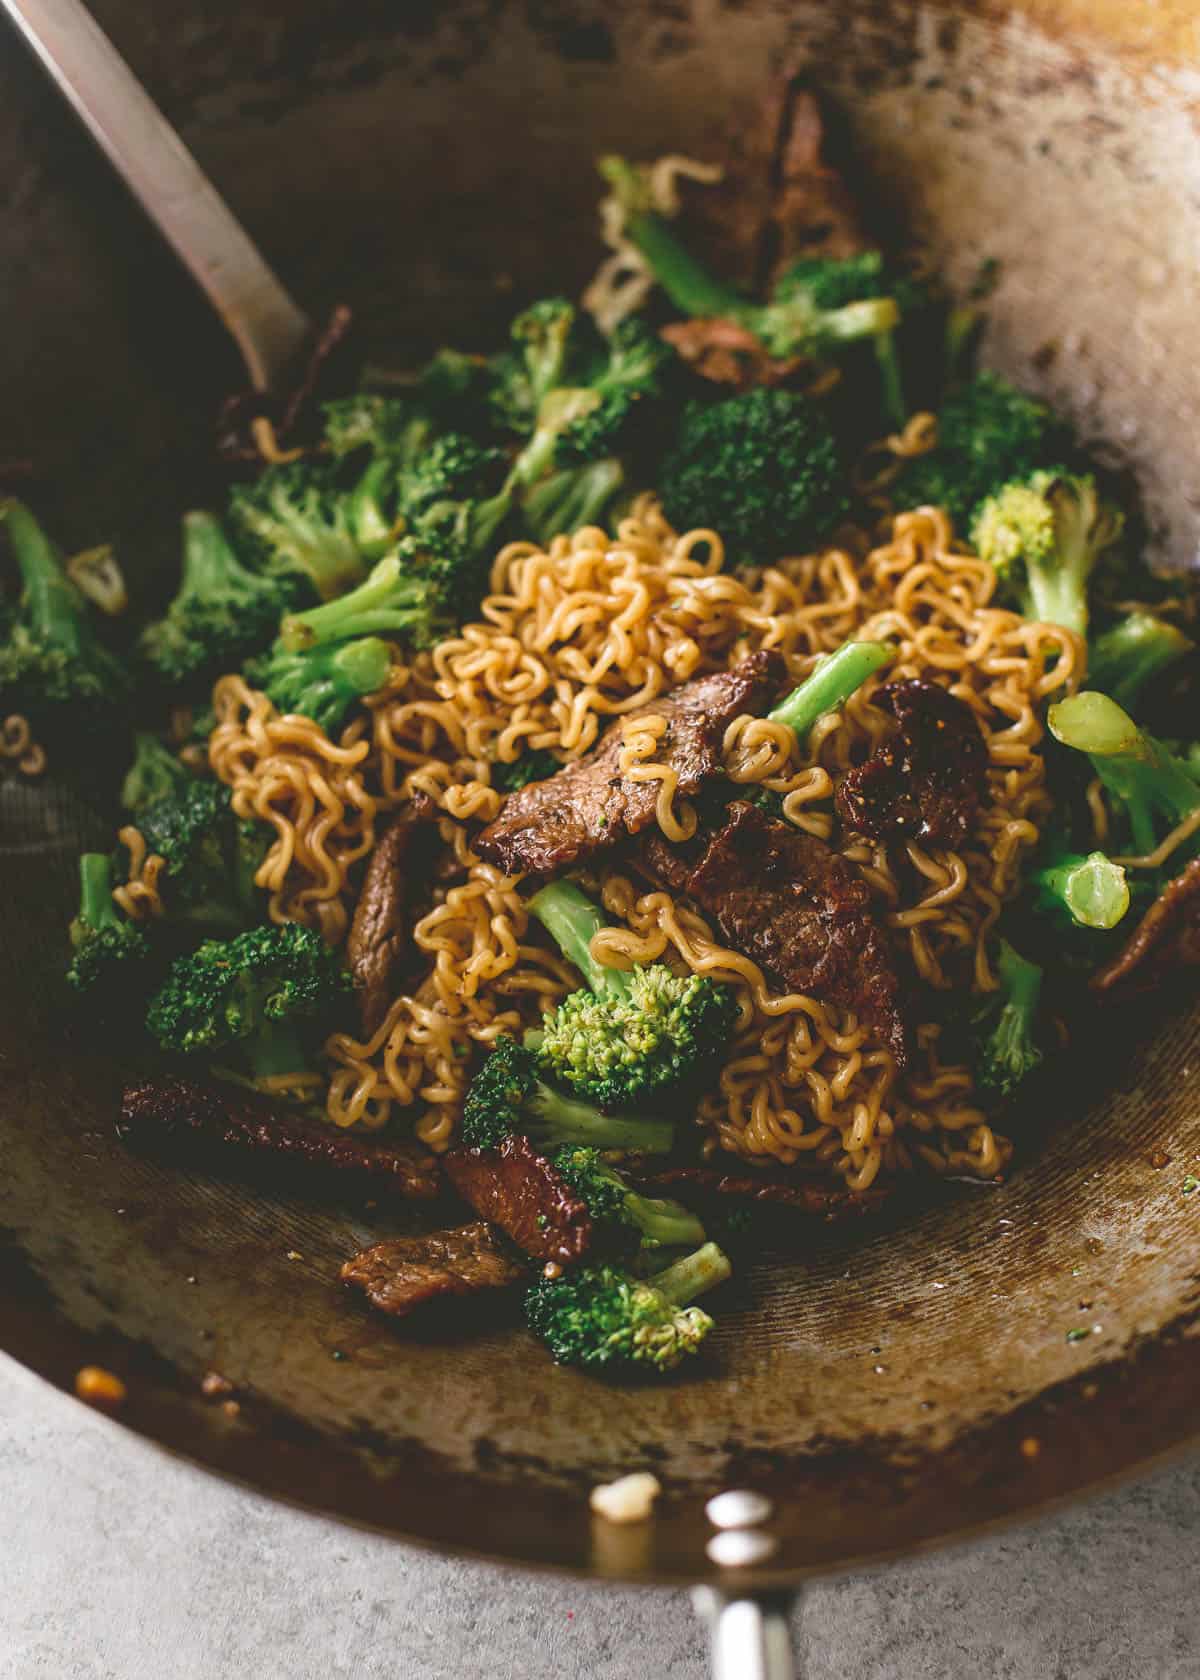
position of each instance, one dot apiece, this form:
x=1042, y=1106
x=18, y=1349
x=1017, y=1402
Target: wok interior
x=880, y=1379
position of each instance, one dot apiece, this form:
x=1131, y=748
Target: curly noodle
x=594, y=628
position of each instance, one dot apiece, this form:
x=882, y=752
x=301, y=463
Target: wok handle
x=265, y=323
x=751, y=1634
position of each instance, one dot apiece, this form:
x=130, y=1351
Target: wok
x=889, y=1385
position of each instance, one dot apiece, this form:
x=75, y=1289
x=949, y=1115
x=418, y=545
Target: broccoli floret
x=535, y=766
x=817, y=306
x=222, y=612
x=53, y=668
x=1126, y=657
x=1091, y=890
x=323, y=682
x=508, y=1096
x=156, y=773
x=762, y=469
x=402, y=597
x=988, y=434
x=1007, y=1050
x=837, y=676
x=648, y=1221
x=1043, y=536
x=254, y=998
x=108, y=948
x=602, y=1316
x=1150, y=789
x=626, y=1036
x=210, y=858
x=384, y=425
x=300, y=524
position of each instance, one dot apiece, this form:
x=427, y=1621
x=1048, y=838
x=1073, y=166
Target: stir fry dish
x=712, y=749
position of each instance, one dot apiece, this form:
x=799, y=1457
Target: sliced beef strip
x=225, y=1121
x=786, y=899
x=519, y=1190
x=821, y=1199
x=1167, y=937
x=727, y=354
x=550, y=826
x=404, y=1273
x=927, y=781
x=378, y=934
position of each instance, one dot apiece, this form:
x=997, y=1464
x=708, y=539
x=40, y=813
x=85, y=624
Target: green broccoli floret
x=210, y=858
x=385, y=425
x=254, y=999
x=53, y=668
x=1091, y=890
x=1126, y=657
x=156, y=773
x=836, y=677
x=989, y=433
x=1150, y=788
x=762, y=469
x=535, y=766
x=603, y=1317
x=626, y=1036
x=300, y=523
x=109, y=949
x=402, y=597
x=1007, y=1050
x=322, y=682
x=817, y=306
x=508, y=1096
x=222, y=611
x=1043, y=536
x=647, y=1221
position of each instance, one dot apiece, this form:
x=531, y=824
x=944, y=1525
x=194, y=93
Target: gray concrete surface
x=118, y=1564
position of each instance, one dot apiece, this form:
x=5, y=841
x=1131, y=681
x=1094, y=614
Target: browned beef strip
x=927, y=780
x=784, y=898
x=378, y=935
x=403, y=1273
x=819, y=1197
x=728, y=354
x=1168, y=936
x=234, y=1123
x=519, y=1190
x=550, y=826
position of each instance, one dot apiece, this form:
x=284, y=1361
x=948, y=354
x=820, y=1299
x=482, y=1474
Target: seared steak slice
x=521, y=1191
x=802, y=912
x=404, y=1273
x=820, y=1197
x=378, y=935
x=549, y=826
x=924, y=783
x=222, y=1120
x=1168, y=936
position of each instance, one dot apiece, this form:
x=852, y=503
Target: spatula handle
x=158, y=168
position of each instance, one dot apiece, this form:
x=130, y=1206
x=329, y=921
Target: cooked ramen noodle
x=596, y=627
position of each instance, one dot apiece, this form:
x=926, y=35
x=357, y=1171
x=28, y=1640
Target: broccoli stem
x=1132, y=652
x=386, y=604
x=275, y=1049
x=1135, y=768
x=96, y=907
x=663, y=1223
x=54, y=608
x=1093, y=889
x=890, y=378
x=572, y=1121
x=686, y=281
x=830, y=685
x=1057, y=595
x=693, y=1275
x=572, y=921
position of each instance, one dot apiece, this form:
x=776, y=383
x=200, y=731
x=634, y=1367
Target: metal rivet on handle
x=739, y=1508
x=738, y=1548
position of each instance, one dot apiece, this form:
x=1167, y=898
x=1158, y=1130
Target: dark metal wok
x=889, y=1385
